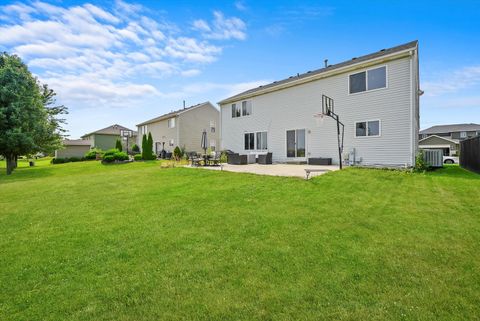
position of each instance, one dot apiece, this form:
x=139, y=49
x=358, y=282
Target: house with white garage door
x=376, y=97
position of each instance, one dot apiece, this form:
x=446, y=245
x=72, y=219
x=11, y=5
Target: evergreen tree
x=150, y=147
x=118, y=145
x=144, y=147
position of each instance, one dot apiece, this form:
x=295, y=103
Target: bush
x=108, y=159
x=135, y=148
x=111, y=152
x=120, y=156
x=75, y=159
x=177, y=153
x=137, y=157
x=91, y=154
x=420, y=164
x=57, y=160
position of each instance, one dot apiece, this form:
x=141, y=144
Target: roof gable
x=110, y=130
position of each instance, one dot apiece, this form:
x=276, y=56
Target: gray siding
x=72, y=151
x=188, y=129
x=193, y=122
x=294, y=107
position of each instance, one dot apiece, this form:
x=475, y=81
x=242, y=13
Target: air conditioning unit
x=433, y=157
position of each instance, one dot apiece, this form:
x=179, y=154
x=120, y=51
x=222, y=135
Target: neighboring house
x=183, y=128
x=376, y=97
x=73, y=148
x=106, y=138
x=447, y=137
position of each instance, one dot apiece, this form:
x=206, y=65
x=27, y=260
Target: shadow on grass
x=453, y=171
x=25, y=173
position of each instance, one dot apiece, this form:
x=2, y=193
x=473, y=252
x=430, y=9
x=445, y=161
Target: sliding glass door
x=296, y=143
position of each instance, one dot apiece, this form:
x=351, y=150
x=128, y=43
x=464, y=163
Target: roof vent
x=354, y=58
x=326, y=63
x=309, y=71
x=383, y=50
x=298, y=75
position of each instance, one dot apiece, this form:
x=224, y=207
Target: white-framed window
x=249, y=141
x=171, y=123
x=236, y=112
x=143, y=129
x=242, y=109
x=213, y=144
x=246, y=108
x=370, y=79
x=463, y=134
x=261, y=142
x=212, y=126
x=171, y=142
x=370, y=128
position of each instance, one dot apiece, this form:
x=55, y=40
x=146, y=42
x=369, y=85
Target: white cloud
x=222, y=28
x=226, y=89
x=91, y=54
x=453, y=81
x=240, y=5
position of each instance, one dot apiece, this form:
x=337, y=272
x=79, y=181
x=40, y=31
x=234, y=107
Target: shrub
x=420, y=164
x=223, y=157
x=135, y=148
x=108, y=159
x=137, y=157
x=177, y=153
x=120, y=156
x=75, y=159
x=57, y=160
x=111, y=152
x=118, y=145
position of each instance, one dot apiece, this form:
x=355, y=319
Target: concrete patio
x=291, y=170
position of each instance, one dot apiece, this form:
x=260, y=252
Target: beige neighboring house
x=183, y=128
x=73, y=148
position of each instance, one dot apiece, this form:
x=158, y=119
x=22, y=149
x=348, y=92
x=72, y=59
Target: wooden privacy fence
x=470, y=154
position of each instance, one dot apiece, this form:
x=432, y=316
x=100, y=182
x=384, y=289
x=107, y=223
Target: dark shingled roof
x=110, y=130
x=440, y=129
x=173, y=113
x=378, y=54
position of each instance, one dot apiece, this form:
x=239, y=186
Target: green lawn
x=83, y=241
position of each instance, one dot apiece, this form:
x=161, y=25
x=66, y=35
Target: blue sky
x=125, y=62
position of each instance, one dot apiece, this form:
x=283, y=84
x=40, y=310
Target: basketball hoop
x=319, y=118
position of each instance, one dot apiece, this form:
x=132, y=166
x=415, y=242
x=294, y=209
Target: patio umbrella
x=204, y=146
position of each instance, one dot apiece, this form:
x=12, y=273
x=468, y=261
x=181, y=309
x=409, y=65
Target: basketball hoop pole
x=327, y=109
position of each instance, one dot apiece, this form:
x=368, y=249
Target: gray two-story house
x=376, y=97
x=447, y=137
x=183, y=128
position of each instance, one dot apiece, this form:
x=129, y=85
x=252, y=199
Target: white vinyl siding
x=294, y=107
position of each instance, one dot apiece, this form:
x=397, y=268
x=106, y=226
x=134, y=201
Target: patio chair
x=215, y=160
x=265, y=159
x=237, y=159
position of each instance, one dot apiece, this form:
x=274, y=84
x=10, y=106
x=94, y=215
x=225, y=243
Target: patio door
x=296, y=143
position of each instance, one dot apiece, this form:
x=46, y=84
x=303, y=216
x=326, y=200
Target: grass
x=82, y=241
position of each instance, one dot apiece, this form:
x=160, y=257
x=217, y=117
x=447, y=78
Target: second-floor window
x=236, y=112
x=368, y=80
x=246, y=108
x=171, y=123
x=463, y=134
x=242, y=109
x=212, y=126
